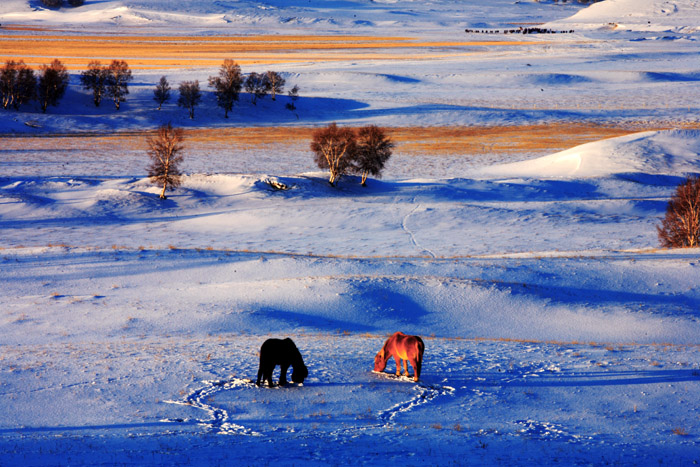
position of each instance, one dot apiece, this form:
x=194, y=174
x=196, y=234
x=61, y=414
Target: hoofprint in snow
x=555, y=330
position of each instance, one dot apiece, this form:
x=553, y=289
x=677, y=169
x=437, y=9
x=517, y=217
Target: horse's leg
x=260, y=374
x=283, y=374
x=416, y=369
x=267, y=370
x=405, y=368
x=398, y=365
x=268, y=376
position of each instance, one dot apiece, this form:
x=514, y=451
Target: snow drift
x=681, y=16
x=673, y=152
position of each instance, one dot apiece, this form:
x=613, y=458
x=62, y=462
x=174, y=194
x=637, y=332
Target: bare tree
x=162, y=92
x=17, y=84
x=680, y=228
x=275, y=83
x=53, y=83
x=164, y=149
x=334, y=149
x=8, y=83
x=190, y=95
x=257, y=86
x=118, y=77
x=227, y=86
x=293, y=96
x=95, y=79
x=26, y=85
x=373, y=151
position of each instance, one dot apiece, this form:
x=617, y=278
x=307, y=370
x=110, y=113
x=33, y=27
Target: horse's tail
x=420, y=347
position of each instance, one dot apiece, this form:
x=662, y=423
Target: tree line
x=520, y=30
x=59, y=3
x=227, y=86
x=19, y=85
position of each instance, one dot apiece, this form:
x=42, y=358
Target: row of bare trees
x=227, y=86
x=20, y=85
x=59, y=3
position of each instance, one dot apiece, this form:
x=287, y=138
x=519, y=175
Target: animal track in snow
x=219, y=418
x=425, y=394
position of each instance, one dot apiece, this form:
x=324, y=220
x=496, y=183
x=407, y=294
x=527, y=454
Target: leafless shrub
x=680, y=228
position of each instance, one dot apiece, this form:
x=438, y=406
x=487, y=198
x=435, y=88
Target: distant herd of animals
x=284, y=353
x=520, y=30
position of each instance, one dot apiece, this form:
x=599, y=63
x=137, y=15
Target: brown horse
x=401, y=347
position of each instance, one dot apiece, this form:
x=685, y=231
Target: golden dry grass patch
x=412, y=141
x=144, y=52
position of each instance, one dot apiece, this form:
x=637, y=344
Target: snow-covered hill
x=652, y=153
x=677, y=16
x=556, y=330
x=137, y=321
x=274, y=16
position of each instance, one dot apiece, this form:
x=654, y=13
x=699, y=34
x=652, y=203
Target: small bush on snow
x=680, y=228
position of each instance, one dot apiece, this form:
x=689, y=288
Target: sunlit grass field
x=156, y=52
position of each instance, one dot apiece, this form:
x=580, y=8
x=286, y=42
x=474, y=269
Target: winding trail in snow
x=425, y=393
x=218, y=417
x=404, y=226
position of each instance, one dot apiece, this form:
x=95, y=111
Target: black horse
x=283, y=353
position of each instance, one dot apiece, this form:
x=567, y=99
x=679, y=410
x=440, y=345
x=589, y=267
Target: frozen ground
x=556, y=331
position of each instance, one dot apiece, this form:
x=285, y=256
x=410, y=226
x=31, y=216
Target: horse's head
x=380, y=361
x=300, y=373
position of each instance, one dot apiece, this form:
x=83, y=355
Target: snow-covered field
x=556, y=330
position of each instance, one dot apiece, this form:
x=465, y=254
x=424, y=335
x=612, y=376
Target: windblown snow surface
x=556, y=331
